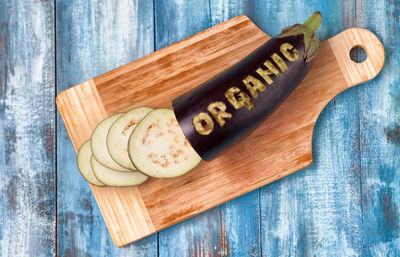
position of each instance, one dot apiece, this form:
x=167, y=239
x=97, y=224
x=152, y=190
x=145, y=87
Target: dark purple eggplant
x=224, y=109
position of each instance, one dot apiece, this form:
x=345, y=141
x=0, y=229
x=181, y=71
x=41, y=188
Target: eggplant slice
x=116, y=178
x=99, y=144
x=119, y=133
x=158, y=148
x=84, y=165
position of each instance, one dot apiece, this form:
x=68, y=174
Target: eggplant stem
x=308, y=29
x=313, y=22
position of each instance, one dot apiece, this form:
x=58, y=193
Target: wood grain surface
x=27, y=129
x=344, y=204
x=280, y=146
x=86, y=30
x=379, y=114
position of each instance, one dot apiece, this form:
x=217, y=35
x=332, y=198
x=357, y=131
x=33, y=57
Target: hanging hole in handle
x=358, y=54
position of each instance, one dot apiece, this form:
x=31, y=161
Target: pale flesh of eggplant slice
x=158, y=148
x=84, y=165
x=99, y=144
x=119, y=133
x=116, y=178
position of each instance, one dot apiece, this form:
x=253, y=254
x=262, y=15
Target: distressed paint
x=345, y=204
x=222, y=10
x=204, y=234
x=379, y=103
x=178, y=19
x=240, y=217
x=316, y=212
x=27, y=125
x=93, y=37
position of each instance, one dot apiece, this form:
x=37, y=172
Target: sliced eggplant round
x=99, y=144
x=84, y=165
x=158, y=148
x=119, y=133
x=116, y=178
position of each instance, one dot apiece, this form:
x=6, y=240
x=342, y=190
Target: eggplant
x=84, y=165
x=98, y=144
x=158, y=148
x=216, y=114
x=110, y=177
x=119, y=133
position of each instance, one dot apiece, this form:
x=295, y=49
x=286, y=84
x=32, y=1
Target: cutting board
x=279, y=147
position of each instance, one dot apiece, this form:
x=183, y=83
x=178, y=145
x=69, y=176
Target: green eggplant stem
x=313, y=22
x=308, y=29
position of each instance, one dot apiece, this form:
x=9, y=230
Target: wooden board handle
x=357, y=73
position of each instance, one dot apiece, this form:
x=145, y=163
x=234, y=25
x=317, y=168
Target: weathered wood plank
x=202, y=235
x=94, y=37
x=380, y=134
x=240, y=217
x=27, y=115
x=316, y=212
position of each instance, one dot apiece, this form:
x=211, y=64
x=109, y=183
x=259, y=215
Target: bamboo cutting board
x=279, y=147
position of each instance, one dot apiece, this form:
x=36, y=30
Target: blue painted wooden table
x=345, y=204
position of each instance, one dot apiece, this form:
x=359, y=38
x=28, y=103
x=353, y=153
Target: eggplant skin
x=216, y=114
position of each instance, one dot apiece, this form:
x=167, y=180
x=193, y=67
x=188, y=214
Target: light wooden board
x=279, y=147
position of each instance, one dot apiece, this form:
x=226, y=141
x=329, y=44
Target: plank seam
x=55, y=131
x=259, y=222
x=154, y=49
x=154, y=26
x=359, y=142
